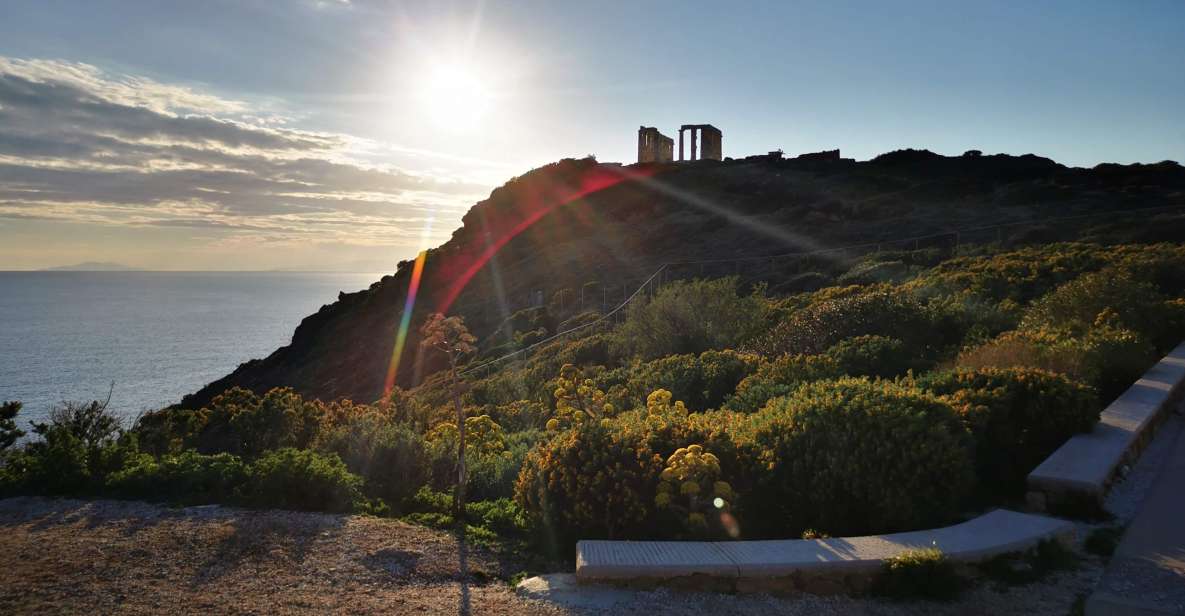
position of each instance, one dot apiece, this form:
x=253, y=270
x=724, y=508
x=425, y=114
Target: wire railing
x=662, y=275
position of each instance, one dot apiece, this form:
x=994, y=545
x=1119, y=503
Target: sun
x=455, y=97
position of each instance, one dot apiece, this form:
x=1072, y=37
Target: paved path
x=1147, y=573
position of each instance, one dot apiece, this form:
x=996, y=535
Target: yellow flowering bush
x=577, y=400
x=853, y=456
x=690, y=486
x=1018, y=416
x=590, y=481
x=483, y=436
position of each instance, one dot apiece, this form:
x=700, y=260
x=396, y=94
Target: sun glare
x=455, y=97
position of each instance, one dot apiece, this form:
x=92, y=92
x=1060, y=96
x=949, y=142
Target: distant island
x=92, y=266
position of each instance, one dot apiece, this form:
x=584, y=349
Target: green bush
x=302, y=480
x=876, y=356
x=688, y=317
x=853, y=456
x=188, y=478
x=872, y=272
x=8, y=430
x=72, y=454
x=877, y=311
x=1128, y=303
x=590, y=482
x=1018, y=416
x=502, y=516
x=493, y=477
x=779, y=377
x=240, y=422
x=1018, y=275
x=919, y=574
x=521, y=415
x=1108, y=358
x=701, y=382
x=168, y=430
x=392, y=459
x=1114, y=358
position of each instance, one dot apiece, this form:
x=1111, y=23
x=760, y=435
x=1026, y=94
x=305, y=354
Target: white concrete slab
x=993, y=533
x=625, y=560
x=996, y=532
x=1085, y=463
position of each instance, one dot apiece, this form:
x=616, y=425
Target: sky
x=348, y=135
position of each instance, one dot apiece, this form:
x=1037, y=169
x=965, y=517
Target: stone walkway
x=1147, y=573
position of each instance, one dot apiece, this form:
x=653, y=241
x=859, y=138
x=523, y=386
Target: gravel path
x=113, y=557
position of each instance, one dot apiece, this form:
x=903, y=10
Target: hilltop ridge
x=577, y=227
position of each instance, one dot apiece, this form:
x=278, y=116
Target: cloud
x=78, y=144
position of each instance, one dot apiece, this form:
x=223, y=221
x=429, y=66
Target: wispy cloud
x=83, y=145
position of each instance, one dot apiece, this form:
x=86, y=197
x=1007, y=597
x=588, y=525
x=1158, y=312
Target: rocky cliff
x=580, y=235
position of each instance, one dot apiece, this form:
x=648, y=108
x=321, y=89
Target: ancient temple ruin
x=707, y=137
x=653, y=146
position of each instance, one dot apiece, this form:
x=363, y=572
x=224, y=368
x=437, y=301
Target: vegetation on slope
x=882, y=404
x=581, y=237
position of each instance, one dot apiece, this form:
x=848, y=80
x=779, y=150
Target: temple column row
x=694, y=143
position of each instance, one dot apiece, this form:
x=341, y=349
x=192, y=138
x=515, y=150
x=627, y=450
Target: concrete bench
x=811, y=565
x=1081, y=470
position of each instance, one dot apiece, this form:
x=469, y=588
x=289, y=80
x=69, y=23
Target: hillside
x=577, y=227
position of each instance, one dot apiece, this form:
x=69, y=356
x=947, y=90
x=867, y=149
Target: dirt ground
x=116, y=557
x=113, y=557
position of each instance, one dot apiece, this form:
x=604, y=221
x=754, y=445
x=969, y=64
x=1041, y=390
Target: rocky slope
x=578, y=228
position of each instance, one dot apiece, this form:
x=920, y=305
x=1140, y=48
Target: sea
x=147, y=338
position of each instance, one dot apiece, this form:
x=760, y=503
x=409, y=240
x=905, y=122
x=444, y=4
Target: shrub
x=8, y=430
x=1108, y=358
x=853, y=456
x=688, y=317
x=923, y=574
x=589, y=482
x=818, y=326
x=691, y=489
x=404, y=408
x=1128, y=303
x=240, y=422
x=392, y=459
x=778, y=378
x=871, y=272
x=1114, y=358
x=872, y=356
x=502, y=516
x=188, y=478
x=493, y=476
x=302, y=480
x=521, y=415
x=577, y=400
x=702, y=382
x=1018, y=416
x=168, y=430
x=1018, y=275
x=75, y=451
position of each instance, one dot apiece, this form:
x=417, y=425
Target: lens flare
x=413, y=287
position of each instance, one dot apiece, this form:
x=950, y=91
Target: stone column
x=680, y=145
x=694, y=143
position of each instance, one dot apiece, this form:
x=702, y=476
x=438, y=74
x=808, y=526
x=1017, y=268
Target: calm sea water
x=156, y=335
